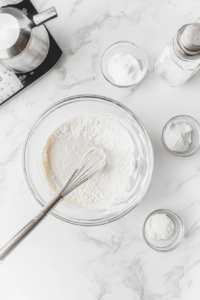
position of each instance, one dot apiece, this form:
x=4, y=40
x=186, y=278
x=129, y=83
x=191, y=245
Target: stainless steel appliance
x=24, y=43
x=14, y=82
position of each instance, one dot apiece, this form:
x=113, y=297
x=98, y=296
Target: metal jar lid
x=187, y=42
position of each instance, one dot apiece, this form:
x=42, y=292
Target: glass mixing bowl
x=59, y=113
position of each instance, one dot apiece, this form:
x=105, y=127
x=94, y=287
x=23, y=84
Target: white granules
x=71, y=141
x=124, y=69
x=178, y=136
x=159, y=227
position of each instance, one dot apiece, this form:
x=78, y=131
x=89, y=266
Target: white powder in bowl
x=178, y=136
x=159, y=227
x=68, y=144
x=124, y=69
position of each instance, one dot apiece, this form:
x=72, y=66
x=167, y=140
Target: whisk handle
x=24, y=232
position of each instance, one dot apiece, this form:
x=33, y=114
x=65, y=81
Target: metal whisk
x=93, y=162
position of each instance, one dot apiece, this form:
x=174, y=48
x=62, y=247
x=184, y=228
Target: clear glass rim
x=69, y=100
x=178, y=117
x=163, y=249
x=141, y=78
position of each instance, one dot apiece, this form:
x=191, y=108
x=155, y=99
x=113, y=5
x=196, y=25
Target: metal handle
x=24, y=232
x=45, y=16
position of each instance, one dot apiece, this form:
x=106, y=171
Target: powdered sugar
x=178, y=136
x=71, y=141
x=124, y=69
x=159, y=227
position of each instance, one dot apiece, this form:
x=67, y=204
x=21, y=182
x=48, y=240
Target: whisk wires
x=92, y=163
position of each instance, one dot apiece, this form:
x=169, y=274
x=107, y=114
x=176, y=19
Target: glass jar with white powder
x=180, y=59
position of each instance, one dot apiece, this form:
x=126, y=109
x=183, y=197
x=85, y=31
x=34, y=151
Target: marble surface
x=62, y=261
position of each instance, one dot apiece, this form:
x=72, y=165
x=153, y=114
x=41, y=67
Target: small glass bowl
x=173, y=241
x=124, y=47
x=195, y=144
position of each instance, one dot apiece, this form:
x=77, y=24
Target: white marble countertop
x=62, y=261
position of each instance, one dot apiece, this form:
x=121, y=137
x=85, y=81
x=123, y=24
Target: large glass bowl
x=60, y=113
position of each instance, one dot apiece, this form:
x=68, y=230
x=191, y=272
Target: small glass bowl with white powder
x=181, y=136
x=124, y=65
x=163, y=230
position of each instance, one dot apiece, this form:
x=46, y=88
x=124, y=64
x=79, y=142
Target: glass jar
x=174, y=69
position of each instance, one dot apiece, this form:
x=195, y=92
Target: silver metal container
x=24, y=43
